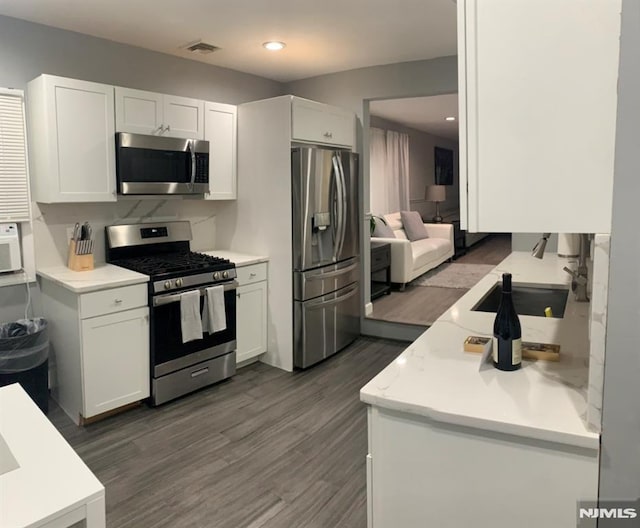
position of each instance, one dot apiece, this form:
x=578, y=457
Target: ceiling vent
x=201, y=47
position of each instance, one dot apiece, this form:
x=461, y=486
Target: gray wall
x=28, y=49
x=620, y=455
x=421, y=167
x=353, y=89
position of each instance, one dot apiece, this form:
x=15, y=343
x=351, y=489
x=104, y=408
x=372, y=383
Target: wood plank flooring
x=265, y=449
x=422, y=305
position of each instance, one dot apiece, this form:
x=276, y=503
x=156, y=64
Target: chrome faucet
x=580, y=276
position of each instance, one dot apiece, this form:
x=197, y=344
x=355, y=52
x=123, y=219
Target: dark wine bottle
x=507, y=334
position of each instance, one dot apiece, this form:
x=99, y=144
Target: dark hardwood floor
x=265, y=449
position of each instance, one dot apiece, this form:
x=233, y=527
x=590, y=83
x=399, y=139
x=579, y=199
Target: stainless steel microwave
x=161, y=165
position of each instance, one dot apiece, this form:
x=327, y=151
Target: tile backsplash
x=52, y=221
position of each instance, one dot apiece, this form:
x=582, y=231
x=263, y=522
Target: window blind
x=14, y=183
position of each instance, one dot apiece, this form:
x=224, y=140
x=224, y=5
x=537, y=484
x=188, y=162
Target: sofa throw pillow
x=382, y=230
x=413, y=225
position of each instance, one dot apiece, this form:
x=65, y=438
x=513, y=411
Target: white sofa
x=411, y=259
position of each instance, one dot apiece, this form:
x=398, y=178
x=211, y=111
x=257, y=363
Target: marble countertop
x=47, y=478
x=435, y=378
x=103, y=277
x=240, y=259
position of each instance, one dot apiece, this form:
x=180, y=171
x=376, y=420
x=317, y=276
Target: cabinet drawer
x=320, y=123
x=251, y=274
x=380, y=258
x=112, y=300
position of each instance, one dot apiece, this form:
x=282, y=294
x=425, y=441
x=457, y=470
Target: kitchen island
x=455, y=442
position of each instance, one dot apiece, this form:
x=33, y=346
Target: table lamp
x=437, y=194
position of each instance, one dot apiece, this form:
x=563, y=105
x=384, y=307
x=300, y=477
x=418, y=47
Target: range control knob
x=216, y=275
x=179, y=283
x=225, y=274
x=167, y=285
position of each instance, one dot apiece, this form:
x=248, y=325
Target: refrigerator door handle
x=330, y=274
x=340, y=209
x=319, y=303
x=343, y=204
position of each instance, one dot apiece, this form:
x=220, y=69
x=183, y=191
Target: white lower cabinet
x=251, y=311
x=115, y=360
x=99, y=347
x=421, y=472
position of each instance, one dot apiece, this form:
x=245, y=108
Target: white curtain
x=377, y=164
x=388, y=171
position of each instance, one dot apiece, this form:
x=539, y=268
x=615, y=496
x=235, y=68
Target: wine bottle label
x=516, y=352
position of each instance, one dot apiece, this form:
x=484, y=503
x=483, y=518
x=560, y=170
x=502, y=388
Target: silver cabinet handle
x=251, y=275
x=168, y=128
x=328, y=134
x=118, y=301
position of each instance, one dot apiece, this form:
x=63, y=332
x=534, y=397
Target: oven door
x=161, y=165
x=168, y=352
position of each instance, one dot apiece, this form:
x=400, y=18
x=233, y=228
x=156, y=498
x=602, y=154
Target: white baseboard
x=368, y=309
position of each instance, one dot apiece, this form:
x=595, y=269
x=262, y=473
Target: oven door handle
x=175, y=297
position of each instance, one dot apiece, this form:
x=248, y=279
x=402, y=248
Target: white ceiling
x=321, y=36
x=422, y=113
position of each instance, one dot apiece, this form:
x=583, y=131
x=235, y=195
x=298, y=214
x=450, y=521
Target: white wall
x=421, y=167
x=620, y=454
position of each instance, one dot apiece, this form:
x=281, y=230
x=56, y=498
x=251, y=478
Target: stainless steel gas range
x=162, y=251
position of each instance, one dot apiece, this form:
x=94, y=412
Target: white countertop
x=435, y=378
x=103, y=277
x=240, y=259
x=50, y=479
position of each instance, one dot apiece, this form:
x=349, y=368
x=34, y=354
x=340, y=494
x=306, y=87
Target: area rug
x=453, y=275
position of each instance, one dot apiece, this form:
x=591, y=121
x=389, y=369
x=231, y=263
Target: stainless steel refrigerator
x=326, y=256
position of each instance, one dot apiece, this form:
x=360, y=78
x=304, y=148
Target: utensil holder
x=78, y=262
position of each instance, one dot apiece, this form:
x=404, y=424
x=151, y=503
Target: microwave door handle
x=192, y=151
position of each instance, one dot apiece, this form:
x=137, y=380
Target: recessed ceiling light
x=274, y=45
x=450, y=118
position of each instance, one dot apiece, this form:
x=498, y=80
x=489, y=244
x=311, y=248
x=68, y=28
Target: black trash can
x=24, y=358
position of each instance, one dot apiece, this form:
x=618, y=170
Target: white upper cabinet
x=321, y=123
x=183, y=117
x=537, y=98
x=138, y=112
x=141, y=112
x=220, y=126
x=71, y=140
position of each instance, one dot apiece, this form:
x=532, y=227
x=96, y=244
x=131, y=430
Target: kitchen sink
x=527, y=299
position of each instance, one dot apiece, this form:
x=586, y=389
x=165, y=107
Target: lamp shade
x=435, y=193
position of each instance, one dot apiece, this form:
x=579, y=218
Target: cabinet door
x=72, y=140
x=183, y=117
x=251, y=310
x=220, y=130
x=115, y=360
x=538, y=97
x=138, y=112
x=320, y=123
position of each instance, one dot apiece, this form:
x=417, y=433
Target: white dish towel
x=190, y=322
x=214, y=317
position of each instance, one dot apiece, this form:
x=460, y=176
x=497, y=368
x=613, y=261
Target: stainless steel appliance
x=162, y=251
x=326, y=268
x=161, y=165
